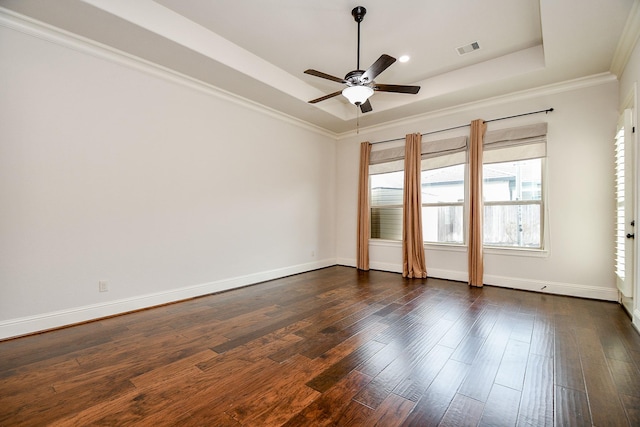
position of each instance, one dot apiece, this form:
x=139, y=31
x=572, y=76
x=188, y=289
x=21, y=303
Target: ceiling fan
x=360, y=84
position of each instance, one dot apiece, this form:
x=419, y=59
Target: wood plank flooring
x=335, y=347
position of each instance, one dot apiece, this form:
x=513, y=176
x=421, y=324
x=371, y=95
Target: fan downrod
x=358, y=13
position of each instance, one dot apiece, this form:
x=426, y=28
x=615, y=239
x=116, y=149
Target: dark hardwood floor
x=335, y=347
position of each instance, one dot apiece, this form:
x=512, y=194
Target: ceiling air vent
x=468, y=48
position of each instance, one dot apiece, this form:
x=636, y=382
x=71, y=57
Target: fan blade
x=325, y=76
x=366, y=107
x=379, y=66
x=397, y=88
x=322, y=98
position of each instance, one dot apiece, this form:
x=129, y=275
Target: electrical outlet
x=103, y=286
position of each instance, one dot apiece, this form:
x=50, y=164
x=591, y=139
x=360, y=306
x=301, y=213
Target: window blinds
x=444, y=152
x=434, y=155
x=520, y=143
x=386, y=158
x=503, y=145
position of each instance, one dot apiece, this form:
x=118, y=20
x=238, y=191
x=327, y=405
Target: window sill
x=452, y=247
x=383, y=242
x=522, y=252
x=490, y=250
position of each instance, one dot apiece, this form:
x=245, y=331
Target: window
x=620, y=225
x=624, y=201
x=443, y=191
x=512, y=194
x=513, y=188
x=386, y=205
x=386, y=190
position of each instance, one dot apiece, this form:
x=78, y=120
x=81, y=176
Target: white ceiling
x=259, y=49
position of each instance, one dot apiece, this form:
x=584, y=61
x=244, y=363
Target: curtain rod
x=548, y=110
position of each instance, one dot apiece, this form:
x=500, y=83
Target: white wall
x=629, y=82
x=111, y=170
x=578, y=258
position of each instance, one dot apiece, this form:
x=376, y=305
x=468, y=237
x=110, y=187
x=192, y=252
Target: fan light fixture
x=357, y=95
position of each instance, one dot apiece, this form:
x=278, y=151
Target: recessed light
x=404, y=58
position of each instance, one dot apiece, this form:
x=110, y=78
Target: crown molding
x=555, y=88
x=628, y=40
x=49, y=33
x=43, y=31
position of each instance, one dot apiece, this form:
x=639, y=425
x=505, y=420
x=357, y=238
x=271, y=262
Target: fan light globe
x=357, y=95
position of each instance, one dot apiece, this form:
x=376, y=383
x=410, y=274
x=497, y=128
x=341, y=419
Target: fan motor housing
x=353, y=77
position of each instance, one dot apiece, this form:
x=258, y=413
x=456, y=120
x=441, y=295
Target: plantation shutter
x=624, y=201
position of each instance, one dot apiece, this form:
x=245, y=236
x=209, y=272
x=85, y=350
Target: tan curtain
x=362, y=261
x=413, y=263
x=476, y=206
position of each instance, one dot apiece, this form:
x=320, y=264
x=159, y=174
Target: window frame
x=463, y=203
x=541, y=202
x=395, y=152
x=387, y=206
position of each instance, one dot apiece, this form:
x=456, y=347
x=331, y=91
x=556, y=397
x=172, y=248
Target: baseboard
x=544, y=286
x=438, y=273
x=635, y=321
x=568, y=289
x=46, y=321
x=347, y=262
x=32, y=324
x=386, y=266
x=373, y=265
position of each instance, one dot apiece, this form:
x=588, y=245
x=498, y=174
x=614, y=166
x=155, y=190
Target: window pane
x=520, y=180
x=442, y=224
x=444, y=185
x=386, y=223
x=386, y=188
x=512, y=225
